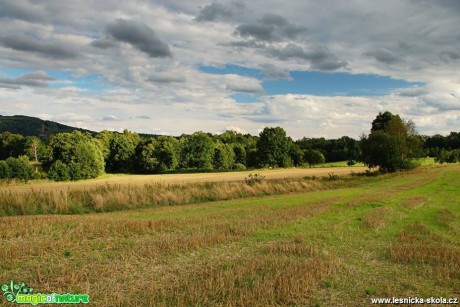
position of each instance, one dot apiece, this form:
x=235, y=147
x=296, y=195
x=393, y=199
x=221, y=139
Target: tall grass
x=113, y=197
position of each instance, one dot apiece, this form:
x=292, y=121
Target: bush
x=351, y=162
x=5, y=172
x=20, y=168
x=448, y=156
x=59, y=171
x=239, y=166
x=252, y=179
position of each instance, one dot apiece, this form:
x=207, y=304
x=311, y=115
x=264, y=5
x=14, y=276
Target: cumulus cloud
x=219, y=11
x=34, y=79
x=22, y=10
x=271, y=71
x=29, y=44
x=103, y=43
x=319, y=58
x=383, y=56
x=166, y=77
x=270, y=27
x=139, y=36
x=239, y=83
x=132, y=58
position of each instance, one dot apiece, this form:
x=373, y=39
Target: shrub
x=252, y=179
x=239, y=166
x=5, y=172
x=20, y=168
x=59, y=171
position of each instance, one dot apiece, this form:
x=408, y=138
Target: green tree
x=34, y=148
x=297, y=155
x=121, y=158
x=392, y=148
x=167, y=152
x=5, y=172
x=273, y=147
x=20, y=168
x=197, y=151
x=79, y=152
x=145, y=157
x=224, y=157
x=240, y=154
x=59, y=171
x=313, y=156
x=11, y=145
x=104, y=137
x=382, y=120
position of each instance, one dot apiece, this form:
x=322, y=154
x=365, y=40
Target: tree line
x=392, y=145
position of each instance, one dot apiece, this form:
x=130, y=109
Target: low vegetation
x=340, y=243
x=113, y=197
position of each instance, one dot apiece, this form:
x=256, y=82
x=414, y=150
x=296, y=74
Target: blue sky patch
x=318, y=83
x=90, y=83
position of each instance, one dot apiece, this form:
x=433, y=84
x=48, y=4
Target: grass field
x=141, y=180
x=392, y=235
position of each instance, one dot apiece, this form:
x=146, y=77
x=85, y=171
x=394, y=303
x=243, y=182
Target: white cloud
x=413, y=41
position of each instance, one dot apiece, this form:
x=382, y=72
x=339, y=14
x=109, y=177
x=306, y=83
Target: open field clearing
x=395, y=235
x=140, y=180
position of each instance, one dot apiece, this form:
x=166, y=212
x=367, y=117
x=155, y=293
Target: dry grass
x=119, y=197
x=175, y=179
x=375, y=218
x=417, y=244
x=414, y=202
x=53, y=252
x=445, y=217
x=271, y=276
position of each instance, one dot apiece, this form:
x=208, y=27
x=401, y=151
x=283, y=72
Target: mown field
x=342, y=242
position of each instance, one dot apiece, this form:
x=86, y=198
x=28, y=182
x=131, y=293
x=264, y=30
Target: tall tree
x=11, y=145
x=122, y=147
x=197, y=151
x=78, y=153
x=273, y=147
x=382, y=120
x=224, y=156
x=392, y=148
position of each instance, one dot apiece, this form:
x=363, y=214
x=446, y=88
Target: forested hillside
x=32, y=126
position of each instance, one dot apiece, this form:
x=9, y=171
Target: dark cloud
x=103, y=43
x=139, y=36
x=413, y=92
x=319, y=58
x=34, y=79
x=383, y=56
x=246, y=44
x=269, y=28
x=47, y=49
x=166, y=78
x=110, y=118
x=272, y=72
x=22, y=10
x=217, y=11
x=449, y=56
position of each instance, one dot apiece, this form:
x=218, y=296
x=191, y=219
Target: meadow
x=304, y=241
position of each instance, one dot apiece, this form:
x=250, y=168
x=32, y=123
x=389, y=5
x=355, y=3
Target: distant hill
x=29, y=126
x=33, y=126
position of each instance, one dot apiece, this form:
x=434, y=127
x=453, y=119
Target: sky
x=316, y=68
